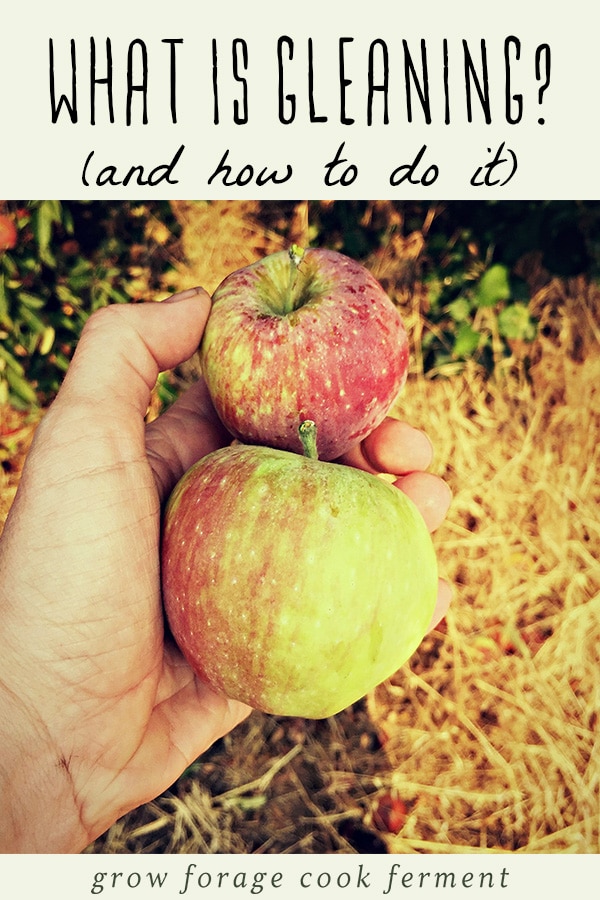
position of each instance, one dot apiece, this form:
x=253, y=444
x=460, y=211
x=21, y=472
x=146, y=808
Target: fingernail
x=185, y=295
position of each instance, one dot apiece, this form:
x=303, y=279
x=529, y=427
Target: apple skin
x=333, y=350
x=291, y=584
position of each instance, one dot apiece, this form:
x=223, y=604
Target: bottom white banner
x=231, y=876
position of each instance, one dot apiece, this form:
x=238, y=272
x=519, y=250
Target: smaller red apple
x=303, y=335
x=8, y=233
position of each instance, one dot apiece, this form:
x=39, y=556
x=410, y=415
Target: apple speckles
x=337, y=327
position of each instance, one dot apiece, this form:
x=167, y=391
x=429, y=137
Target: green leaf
x=61, y=362
x=10, y=361
x=467, y=341
x=47, y=214
x=33, y=321
x=20, y=388
x=47, y=340
x=4, y=316
x=515, y=323
x=459, y=309
x=30, y=300
x=66, y=296
x=9, y=266
x=493, y=286
x=117, y=296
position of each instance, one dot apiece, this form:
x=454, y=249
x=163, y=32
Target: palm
x=135, y=713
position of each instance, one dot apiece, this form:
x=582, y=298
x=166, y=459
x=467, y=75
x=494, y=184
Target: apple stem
x=295, y=253
x=308, y=435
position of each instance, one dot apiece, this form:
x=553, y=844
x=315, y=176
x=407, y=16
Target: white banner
x=329, y=877
x=320, y=100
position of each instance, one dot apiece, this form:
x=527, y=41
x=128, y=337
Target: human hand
x=99, y=713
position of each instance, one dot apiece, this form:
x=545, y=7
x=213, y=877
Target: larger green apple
x=303, y=335
x=292, y=584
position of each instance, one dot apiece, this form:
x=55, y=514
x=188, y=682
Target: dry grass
x=489, y=739
x=493, y=730
x=221, y=236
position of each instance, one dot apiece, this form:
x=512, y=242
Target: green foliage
x=477, y=310
x=70, y=259
x=476, y=305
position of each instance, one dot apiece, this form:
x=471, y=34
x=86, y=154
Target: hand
x=98, y=712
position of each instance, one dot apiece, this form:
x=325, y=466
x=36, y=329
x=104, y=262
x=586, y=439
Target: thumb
x=96, y=422
x=123, y=348
x=89, y=448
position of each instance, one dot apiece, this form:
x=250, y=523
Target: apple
x=292, y=584
x=303, y=335
x=8, y=233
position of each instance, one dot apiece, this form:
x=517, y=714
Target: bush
x=477, y=308
x=60, y=263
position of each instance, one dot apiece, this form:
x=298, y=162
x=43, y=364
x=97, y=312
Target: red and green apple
x=303, y=335
x=292, y=584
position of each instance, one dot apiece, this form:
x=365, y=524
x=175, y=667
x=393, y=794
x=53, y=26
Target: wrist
x=38, y=811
